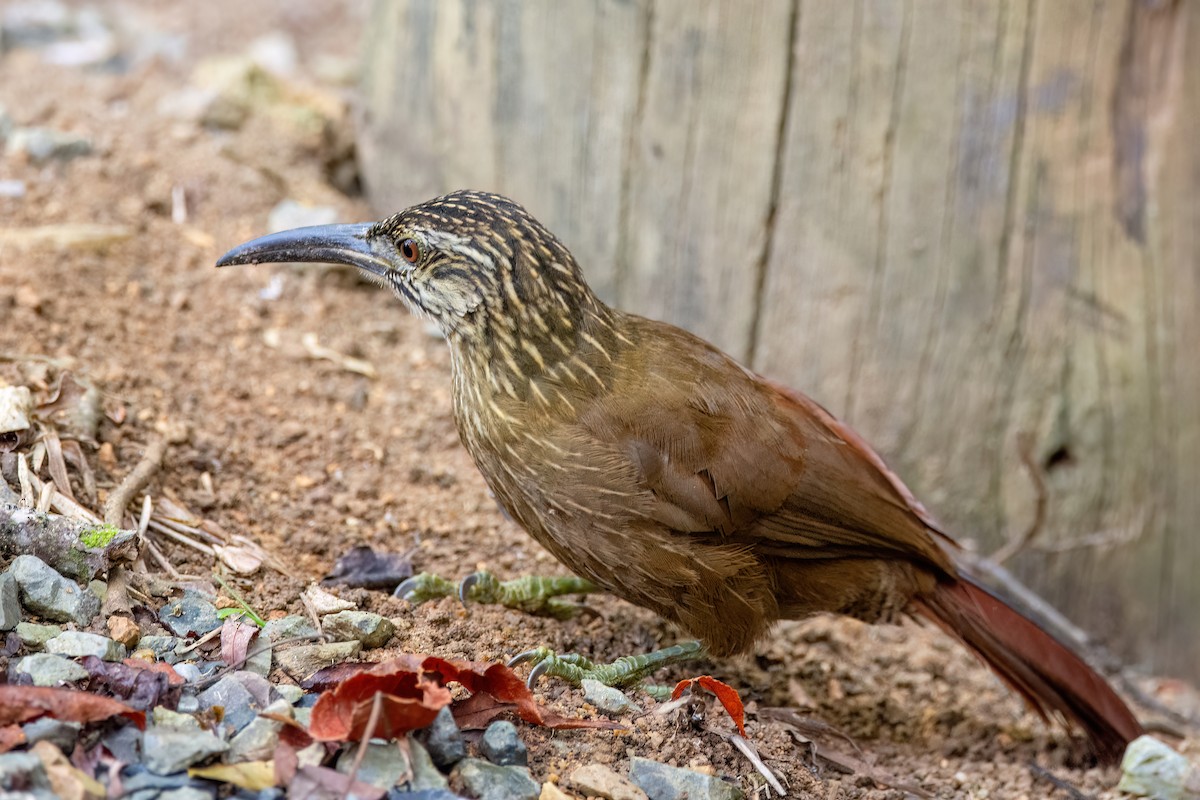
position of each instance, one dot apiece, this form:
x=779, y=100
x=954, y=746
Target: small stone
x=257, y=740
x=35, y=636
x=502, y=746
x=445, y=742
x=290, y=692
x=10, y=603
x=47, y=669
x=124, y=630
x=77, y=644
x=607, y=699
x=45, y=144
x=597, y=780
x=189, y=672
x=259, y=662
x=164, y=647
x=552, y=792
x=187, y=793
x=125, y=744
x=373, y=630
x=59, y=733
x=191, y=615
x=98, y=588
x=300, y=662
x=383, y=764
x=422, y=794
x=663, y=782
x=323, y=602
x=166, y=751
x=50, y=595
x=290, y=627
x=238, y=704
x=492, y=782
x=426, y=776
x=167, y=719
x=23, y=775
x=188, y=704
x=1152, y=769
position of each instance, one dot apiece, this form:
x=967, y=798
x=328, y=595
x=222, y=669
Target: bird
x=658, y=468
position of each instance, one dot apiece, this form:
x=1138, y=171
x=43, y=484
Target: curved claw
x=537, y=653
x=539, y=669
x=407, y=588
x=464, y=588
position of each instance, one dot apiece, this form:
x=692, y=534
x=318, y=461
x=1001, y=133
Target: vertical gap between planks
x=768, y=244
x=622, y=252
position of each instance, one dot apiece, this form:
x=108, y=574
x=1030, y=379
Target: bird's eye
x=410, y=250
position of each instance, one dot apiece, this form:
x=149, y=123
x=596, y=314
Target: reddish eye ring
x=410, y=250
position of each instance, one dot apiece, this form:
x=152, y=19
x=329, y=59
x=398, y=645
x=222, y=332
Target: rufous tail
x=1035, y=664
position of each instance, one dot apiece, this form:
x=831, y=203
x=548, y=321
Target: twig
x=179, y=537
x=1041, y=772
x=1017, y=544
x=372, y=722
x=135, y=481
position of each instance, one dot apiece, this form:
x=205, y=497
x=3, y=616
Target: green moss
x=99, y=536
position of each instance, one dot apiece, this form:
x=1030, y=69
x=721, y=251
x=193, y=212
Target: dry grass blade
x=58, y=464
x=749, y=751
x=181, y=538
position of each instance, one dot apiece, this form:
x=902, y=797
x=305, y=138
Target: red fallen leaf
x=173, y=677
x=409, y=701
x=413, y=690
x=10, y=737
x=23, y=703
x=724, y=692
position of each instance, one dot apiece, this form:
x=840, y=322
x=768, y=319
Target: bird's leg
x=623, y=672
x=532, y=594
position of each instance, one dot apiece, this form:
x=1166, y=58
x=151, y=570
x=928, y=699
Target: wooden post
x=956, y=224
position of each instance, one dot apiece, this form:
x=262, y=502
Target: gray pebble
x=47, y=669
x=163, y=647
x=77, y=644
x=257, y=740
x=23, y=775
x=445, y=743
x=502, y=746
x=288, y=627
x=423, y=794
x=304, y=660
x=663, y=782
x=425, y=775
x=167, y=751
x=10, y=604
x=383, y=764
x=607, y=699
x=491, y=782
x=289, y=691
x=238, y=704
x=191, y=615
x=373, y=630
x=62, y=735
x=50, y=595
x=188, y=793
x=35, y=636
x=188, y=704
x=45, y=144
x=189, y=672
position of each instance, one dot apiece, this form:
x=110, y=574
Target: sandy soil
x=311, y=459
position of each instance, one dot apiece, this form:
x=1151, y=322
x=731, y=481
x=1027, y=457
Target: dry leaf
x=252, y=775
x=724, y=692
x=24, y=703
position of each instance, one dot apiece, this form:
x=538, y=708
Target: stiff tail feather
x=1037, y=666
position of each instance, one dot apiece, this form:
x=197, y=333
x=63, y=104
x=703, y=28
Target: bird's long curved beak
x=330, y=244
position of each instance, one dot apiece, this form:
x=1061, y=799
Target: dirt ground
x=310, y=459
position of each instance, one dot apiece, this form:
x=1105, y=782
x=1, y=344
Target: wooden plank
x=532, y=99
x=701, y=172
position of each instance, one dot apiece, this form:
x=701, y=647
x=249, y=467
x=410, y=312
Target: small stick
x=1041, y=772
x=135, y=481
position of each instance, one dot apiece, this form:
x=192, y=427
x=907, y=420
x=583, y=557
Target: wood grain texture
x=955, y=224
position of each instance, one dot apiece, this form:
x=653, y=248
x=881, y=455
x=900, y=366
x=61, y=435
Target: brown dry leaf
x=67, y=782
x=241, y=560
x=724, y=692
x=408, y=702
x=252, y=775
x=24, y=703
